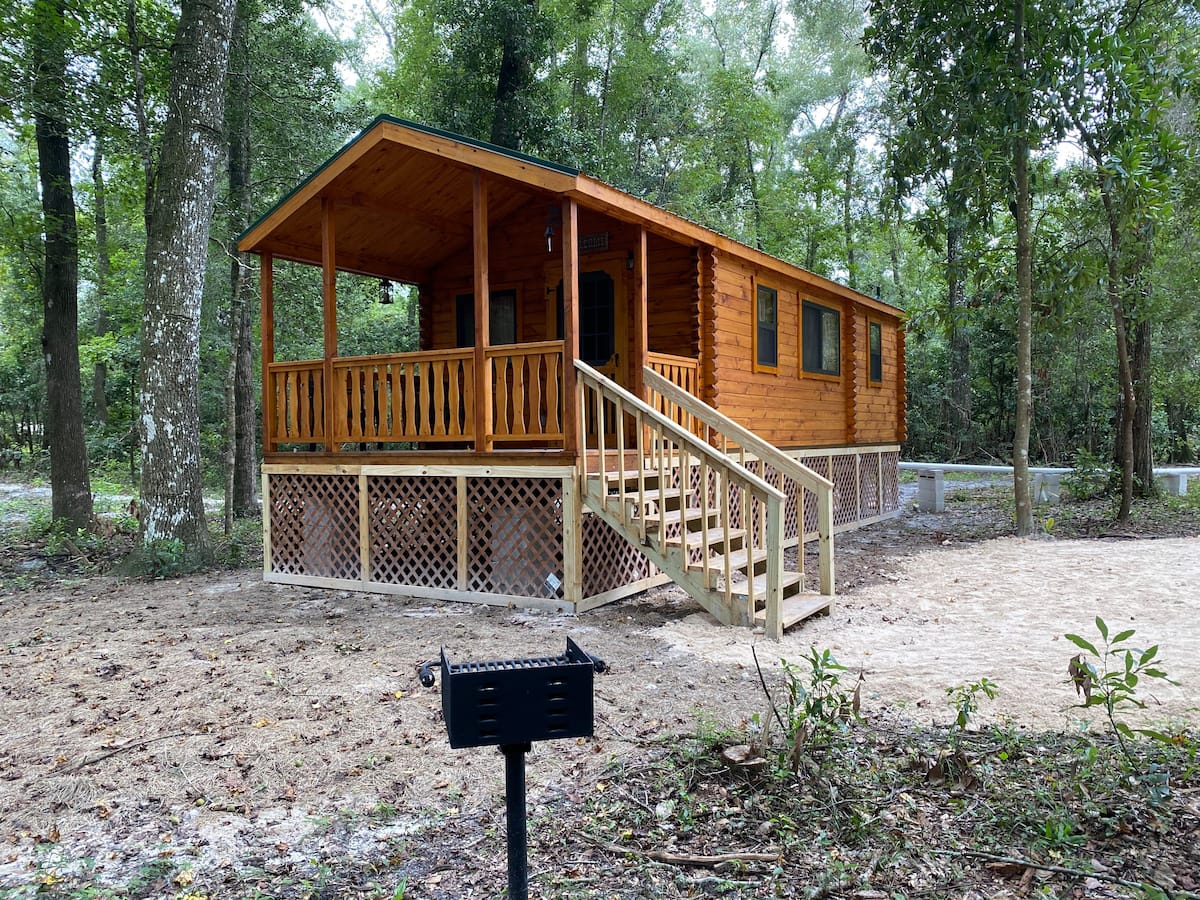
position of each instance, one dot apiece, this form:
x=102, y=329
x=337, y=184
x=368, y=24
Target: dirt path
x=206, y=728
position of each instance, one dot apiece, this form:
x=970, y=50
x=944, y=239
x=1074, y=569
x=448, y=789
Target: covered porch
x=516, y=281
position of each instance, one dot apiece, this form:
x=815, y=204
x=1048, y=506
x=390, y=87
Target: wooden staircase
x=695, y=510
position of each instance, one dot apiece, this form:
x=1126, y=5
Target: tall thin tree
x=71, y=494
x=180, y=211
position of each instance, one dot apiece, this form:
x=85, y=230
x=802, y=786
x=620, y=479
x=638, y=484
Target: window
x=502, y=317
x=766, y=333
x=875, y=350
x=821, y=333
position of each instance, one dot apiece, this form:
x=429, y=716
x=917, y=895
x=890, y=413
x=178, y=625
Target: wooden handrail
x=768, y=454
x=742, y=436
x=671, y=450
x=678, y=434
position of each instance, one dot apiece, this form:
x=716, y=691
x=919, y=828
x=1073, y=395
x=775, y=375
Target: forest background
x=1018, y=177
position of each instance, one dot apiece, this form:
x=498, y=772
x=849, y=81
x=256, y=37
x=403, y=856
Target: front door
x=601, y=315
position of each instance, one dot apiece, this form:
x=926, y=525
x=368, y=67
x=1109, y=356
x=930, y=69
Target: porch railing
x=429, y=396
x=404, y=397
x=526, y=391
x=682, y=372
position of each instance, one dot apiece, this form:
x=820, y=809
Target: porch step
x=716, y=537
x=737, y=560
x=792, y=583
x=798, y=608
x=691, y=514
x=631, y=478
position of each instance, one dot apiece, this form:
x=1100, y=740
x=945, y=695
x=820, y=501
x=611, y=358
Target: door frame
x=612, y=263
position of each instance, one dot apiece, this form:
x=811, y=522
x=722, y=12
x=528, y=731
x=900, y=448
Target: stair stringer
x=669, y=559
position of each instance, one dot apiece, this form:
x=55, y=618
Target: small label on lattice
x=553, y=583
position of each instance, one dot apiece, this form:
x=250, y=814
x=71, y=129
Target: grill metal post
x=518, y=839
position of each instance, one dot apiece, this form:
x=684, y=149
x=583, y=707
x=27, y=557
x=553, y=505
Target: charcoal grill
x=510, y=703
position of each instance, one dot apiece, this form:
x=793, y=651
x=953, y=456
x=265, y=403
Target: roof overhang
x=401, y=196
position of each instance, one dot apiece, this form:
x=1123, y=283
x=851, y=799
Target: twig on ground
x=763, y=681
x=688, y=859
x=135, y=745
x=1061, y=870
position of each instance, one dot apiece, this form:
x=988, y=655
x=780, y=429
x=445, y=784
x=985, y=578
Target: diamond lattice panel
x=891, y=481
x=868, y=485
x=609, y=561
x=516, y=536
x=845, y=482
x=414, y=538
x=314, y=525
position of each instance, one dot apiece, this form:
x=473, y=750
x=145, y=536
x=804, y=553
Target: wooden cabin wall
x=789, y=407
x=877, y=404
x=517, y=258
x=673, y=298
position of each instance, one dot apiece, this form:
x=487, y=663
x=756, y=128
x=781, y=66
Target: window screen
x=767, y=319
x=821, y=337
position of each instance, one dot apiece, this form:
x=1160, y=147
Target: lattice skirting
x=461, y=533
x=866, y=489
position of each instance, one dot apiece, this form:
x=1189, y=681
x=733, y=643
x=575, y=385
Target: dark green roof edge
x=415, y=126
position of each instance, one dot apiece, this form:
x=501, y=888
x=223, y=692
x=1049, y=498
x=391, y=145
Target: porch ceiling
x=397, y=211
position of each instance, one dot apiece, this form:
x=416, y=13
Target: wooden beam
x=570, y=267
x=369, y=266
x=266, y=292
x=329, y=307
x=641, y=339
x=483, y=380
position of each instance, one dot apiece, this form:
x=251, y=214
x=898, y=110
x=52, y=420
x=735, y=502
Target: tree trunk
x=103, y=270
x=181, y=211
x=509, y=121
x=1024, y=410
x=71, y=492
x=847, y=221
x=243, y=422
x=1143, y=449
x=1126, y=398
x=958, y=391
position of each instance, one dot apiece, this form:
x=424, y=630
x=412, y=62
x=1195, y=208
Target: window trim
x=756, y=286
x=876, y=326
x=820, y=373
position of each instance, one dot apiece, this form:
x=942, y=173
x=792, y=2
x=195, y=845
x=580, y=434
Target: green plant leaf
x=1123, y=636
x=1102, y=628
x=1082, y=644
x=1148, y=654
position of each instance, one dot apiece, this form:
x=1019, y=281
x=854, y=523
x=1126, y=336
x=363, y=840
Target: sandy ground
x=222, y=723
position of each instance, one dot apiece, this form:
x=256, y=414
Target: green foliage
x=1109, y=677
x=964, y=702
x=1089, y=478
x=818, y=706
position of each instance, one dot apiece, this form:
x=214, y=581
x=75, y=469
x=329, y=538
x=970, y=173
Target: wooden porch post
x=640, y=299
x=329, y=305
x=266, y=288
x=483, y=380
x=570, y=251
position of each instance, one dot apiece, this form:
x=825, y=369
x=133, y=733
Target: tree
x=1128, y=62
x=180, y=204
x=70, y=488
x=984, y=74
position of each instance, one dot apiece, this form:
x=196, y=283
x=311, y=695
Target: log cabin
x=606, y=396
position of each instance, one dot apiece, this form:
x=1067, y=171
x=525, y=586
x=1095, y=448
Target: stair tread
x=673, y=516
x=715, y=535
x=628, y=475
x=760, y=583
x=737, y=559
x=796, y=608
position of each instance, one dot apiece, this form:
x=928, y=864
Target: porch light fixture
x=549, y=238
x=629, y=261
x=385, y=293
